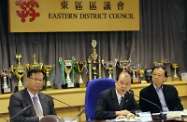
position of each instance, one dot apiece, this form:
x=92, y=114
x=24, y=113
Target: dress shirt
x=162, y=98
x=38, y=100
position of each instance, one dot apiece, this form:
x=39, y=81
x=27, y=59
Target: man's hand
x=123, y=113
x=120, y=117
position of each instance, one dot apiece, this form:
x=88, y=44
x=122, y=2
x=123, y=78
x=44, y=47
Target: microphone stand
x=59, y=100
x=20, y=112
x=4, y=117
x=82, y=111
x=161, y=115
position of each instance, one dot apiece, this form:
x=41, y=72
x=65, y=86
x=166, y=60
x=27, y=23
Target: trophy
x=94, y=55
x=141, y=73
x=34, y=64
x=19, y=71
x=6, y=84
x=175, y=66
x=159, y=64
x=135, y=79
x=48, y=69
x=124, y=64
x=109, y=65
x=68, y=69
x=80, y=69
x=94, y=63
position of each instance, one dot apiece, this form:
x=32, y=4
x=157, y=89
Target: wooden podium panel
x=75, y=98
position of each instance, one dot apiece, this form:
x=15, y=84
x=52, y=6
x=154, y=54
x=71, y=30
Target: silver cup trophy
x=6, y=86
x=109, y=66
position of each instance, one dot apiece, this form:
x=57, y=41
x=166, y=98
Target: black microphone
x=4, y=117
x=80, y=112
x=162, y=116
x=58, y=100
x=24, y=109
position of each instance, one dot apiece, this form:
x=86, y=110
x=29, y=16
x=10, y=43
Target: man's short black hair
x=160, y=67
x=35, y=70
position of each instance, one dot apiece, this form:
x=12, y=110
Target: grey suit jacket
x=107, y=104
x=171, y=96
x=21, y=99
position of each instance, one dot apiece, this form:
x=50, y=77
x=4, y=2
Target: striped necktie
x=37, y=107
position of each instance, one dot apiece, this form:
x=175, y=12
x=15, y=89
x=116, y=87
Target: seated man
x=41, y=104
x=164, y=96
x=116, y=102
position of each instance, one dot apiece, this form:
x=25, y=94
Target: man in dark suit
x=116, y=102
x=165, y=96
x=24, y=98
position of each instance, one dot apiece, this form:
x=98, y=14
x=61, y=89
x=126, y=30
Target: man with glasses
x=117, y=102
x=40, y=104
x=164, y=96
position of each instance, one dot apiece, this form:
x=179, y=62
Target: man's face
x=35, y=82
x=158, y=77
x=123, y=84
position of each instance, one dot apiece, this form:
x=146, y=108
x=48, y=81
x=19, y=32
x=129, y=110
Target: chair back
x=51, y=118
x=94, y=87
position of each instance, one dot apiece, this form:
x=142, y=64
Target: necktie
x=121, y=103
x=37, y=107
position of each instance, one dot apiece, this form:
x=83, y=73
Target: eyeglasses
x=126, y=84
x=35, y=79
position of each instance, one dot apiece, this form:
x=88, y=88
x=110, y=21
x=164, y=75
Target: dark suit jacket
x=170, y=94
x=107, y=104
x=21, y=99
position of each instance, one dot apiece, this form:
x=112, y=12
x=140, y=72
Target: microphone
x=80, y=112
x=4, y=117
x=58, y=100
x=24, y=109
x=162, y=116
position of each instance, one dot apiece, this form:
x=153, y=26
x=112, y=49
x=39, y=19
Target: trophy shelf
x=75, y=97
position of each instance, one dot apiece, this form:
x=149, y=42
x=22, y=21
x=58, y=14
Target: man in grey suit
x=24, y=98
x=116, y=102
x=164, y=96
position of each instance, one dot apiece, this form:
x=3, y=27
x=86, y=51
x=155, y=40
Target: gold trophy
x=175, y=66
x=124, y=64
x=94, y=63
x=134, y=70
x=141, y=73
x=80, y=68
x=67, y=69
x=34, y=64
x=6, y=86
x=159, y=64
x=94, y=54
x=48, y=69
x=19, y=71
x=109, y=65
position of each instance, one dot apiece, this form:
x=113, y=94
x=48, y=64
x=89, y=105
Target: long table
x=75, y=98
